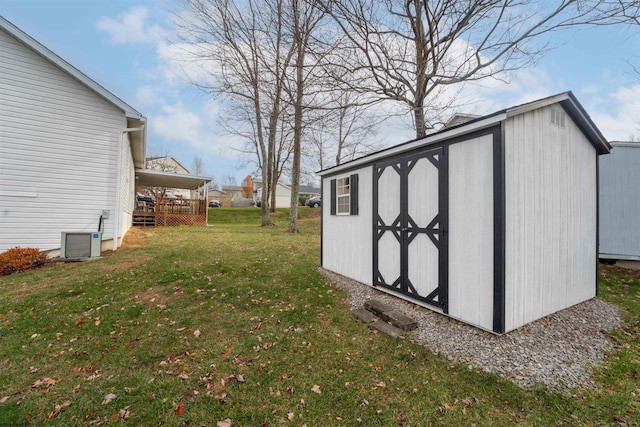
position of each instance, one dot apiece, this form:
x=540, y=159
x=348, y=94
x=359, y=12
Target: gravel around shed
x=557, y=350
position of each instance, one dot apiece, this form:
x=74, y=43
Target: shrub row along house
x=493, y=222
x=71, y=153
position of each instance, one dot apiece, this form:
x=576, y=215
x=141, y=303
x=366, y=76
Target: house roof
x=151, y=159
x=257, y=182
x=169, y=179
x=566, y=99
x=135, y=120
x=308, y=189
x=459, y=118
x=633, y=144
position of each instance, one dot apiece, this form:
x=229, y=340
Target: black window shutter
x=333, y=201
x=353, y=187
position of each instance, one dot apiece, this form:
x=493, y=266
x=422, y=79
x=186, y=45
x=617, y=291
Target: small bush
x=20, y=259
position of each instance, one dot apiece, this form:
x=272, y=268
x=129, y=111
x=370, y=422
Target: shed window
x=344, y=195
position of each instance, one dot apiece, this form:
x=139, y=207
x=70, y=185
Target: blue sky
x=122, y=45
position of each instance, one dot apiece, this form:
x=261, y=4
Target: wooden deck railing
x=171, y=212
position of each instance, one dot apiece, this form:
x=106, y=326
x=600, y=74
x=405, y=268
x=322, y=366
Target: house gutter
x=117, y=204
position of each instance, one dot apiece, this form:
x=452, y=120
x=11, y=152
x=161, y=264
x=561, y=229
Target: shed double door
x=410, y=200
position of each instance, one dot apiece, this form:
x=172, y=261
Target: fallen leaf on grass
x=620, y=420
x=316, y=389
x=58, y=408
x=123, y=414
x=109, y=398
x=43, y=382
x=4, y=399
x=196, y=333
x=224, y=423
x=179, y=409
x=239, y=378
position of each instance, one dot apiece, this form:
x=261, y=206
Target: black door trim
x=404, y=228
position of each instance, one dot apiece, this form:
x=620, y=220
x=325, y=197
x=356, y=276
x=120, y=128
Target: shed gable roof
x=566, y=99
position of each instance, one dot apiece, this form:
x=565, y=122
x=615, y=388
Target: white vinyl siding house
x=68, y=149
x=492, y=222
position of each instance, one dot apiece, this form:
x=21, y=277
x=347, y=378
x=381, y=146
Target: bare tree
x=412, y=51
x=197, y=166
x=229, y=179
x=305, y=20
x=251, y=54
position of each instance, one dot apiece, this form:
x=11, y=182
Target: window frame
x=343, y=194
x=346, y=197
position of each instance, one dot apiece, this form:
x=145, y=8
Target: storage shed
x=493, y=222
x=620, y=202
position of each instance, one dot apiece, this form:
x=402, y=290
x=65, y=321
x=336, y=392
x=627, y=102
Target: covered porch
x=162, y=210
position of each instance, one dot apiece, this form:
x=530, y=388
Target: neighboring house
x=234, y=197
x=216, y=194
x=170, y=165
x=493, y=222
x=620, y=202
x=459, y=119
x=166, y=164
x=233, y=191
x=283, y=193
x=71, y=152
x=309, y=191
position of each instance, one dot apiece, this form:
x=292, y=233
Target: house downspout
x=117, y=205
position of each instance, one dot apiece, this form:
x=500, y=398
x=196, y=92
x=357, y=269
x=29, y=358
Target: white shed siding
x=58, y=151
x=620, y=202
x=550, y=224
x=471, y=231
x=347, y=240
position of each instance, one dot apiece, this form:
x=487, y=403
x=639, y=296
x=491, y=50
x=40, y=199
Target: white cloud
x=131, y=27
x=177, y=123
x=183, y=128
x=617, y=116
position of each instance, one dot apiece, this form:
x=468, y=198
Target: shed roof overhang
x=566, y=99
x=169, y=179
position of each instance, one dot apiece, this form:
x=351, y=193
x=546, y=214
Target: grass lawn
x=192, y=326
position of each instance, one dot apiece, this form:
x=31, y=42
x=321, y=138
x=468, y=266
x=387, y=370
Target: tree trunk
x=264, y=197
x=418, y=114
x=297, y=121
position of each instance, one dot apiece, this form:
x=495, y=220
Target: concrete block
x=399, y=320
x=377, y=307
x=364, y=315
x=386, y=328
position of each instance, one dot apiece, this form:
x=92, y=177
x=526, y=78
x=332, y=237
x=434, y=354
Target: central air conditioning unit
x=80, y=244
